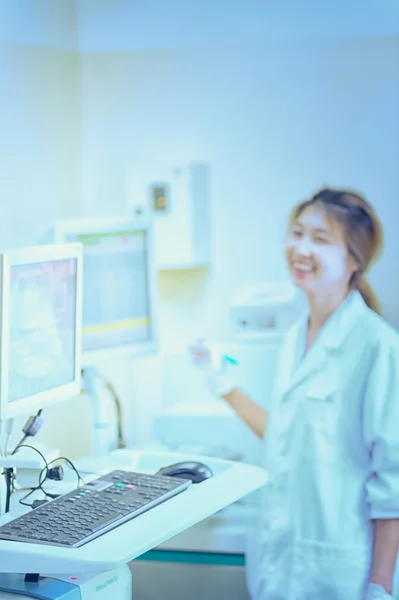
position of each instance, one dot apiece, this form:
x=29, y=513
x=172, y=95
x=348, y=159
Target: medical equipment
x=97, y=568
x=41, y=320
x=41, y=317
x=262, y=310
x=119, y=306
x=119, y=285
x=116, y=584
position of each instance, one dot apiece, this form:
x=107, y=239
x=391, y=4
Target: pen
x=231, y=360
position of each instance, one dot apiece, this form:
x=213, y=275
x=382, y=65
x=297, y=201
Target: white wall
x=115, y=25
x=39, y=117
x=40, y=135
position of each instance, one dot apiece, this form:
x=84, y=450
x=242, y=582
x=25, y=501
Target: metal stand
x=107, y=434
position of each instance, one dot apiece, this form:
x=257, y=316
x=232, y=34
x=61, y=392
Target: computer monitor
x=41, y=320
x=119, y=285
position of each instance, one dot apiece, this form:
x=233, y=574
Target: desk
x=231, y=481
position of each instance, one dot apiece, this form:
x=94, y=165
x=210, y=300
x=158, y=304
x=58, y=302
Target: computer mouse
x=196, y=471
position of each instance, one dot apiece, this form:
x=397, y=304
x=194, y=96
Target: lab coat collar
x=331, y=338
x=338, y=326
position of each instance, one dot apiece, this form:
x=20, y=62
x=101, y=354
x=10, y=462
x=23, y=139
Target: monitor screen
x=42, y=327
x=116, y=289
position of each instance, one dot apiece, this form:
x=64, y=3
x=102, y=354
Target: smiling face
x=316, y=253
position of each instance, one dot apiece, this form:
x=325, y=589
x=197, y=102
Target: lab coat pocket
x=330, y=571
x=321, y=413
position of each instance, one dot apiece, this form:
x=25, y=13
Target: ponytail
x=368, y=295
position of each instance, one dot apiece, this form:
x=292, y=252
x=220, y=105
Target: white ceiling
x=130, y=24
x=111, y=25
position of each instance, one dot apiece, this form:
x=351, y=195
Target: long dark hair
x=363, y=233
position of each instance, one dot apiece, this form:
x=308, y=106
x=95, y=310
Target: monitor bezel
x=28, y=256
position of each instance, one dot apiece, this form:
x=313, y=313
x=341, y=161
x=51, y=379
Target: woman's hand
x=207, y=355
x=220, y=380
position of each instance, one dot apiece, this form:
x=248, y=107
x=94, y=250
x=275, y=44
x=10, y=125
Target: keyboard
x=73, y=519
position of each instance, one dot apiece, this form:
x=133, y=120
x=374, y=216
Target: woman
x=329, y=522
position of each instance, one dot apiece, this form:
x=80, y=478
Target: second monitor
x=119, y=284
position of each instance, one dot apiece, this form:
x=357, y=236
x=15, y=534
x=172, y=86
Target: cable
x=30, y=429
x=36, y=450
x=39, y=487
x=70, y=463
x=42, y=480
x=21, y=500
x=9, y=474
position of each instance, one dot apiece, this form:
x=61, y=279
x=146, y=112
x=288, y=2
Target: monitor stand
x=106, y=425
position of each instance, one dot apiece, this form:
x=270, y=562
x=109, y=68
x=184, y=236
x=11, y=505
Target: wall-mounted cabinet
x=180, y=204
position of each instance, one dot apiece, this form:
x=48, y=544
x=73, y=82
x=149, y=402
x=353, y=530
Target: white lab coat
x=332, y=453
